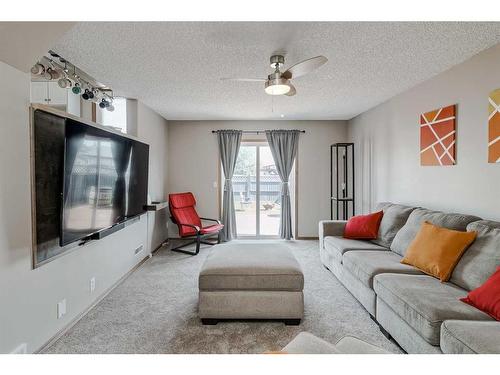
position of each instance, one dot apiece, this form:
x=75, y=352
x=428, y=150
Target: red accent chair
x=183, y=213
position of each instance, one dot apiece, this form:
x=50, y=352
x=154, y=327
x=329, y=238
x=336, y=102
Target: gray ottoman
x=251, y=281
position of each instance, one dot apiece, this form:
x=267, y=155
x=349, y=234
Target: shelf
x=156, y=206
x=342, y=176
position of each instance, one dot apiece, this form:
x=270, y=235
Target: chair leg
x=179, y=249
x=219, y=237
x=198, y=241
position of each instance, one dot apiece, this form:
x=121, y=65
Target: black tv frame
x=49, y=246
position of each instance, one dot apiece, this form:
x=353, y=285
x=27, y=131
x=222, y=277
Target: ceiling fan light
x=277, y=86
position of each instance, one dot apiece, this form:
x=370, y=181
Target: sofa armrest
x=330, y=228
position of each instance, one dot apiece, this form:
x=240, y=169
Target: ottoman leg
x=209, y=322
x=291, y=322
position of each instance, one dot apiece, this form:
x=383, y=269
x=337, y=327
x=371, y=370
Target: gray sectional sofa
x=422, y=314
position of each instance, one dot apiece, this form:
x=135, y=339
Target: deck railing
x=246, y=187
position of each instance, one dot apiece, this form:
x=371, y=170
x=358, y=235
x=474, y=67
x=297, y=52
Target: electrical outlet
x=92, y=285
x=61, y=309
x=139, y=249
x=21, y=349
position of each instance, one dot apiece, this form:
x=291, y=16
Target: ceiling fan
x=279, y=83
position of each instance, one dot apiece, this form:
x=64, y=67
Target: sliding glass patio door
x=256, y=187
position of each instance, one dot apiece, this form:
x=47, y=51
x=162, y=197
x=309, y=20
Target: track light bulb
x=110, y=107
x=103, y=104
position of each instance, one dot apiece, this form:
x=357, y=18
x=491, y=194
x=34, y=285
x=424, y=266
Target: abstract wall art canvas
x=494, y=127
x=438, y=137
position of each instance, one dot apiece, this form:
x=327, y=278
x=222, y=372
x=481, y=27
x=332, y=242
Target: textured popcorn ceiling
x=175, y=68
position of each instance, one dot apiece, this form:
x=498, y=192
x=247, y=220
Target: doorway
x=257, y=192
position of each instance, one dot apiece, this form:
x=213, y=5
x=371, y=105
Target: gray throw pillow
x=408, y=232
x=481, y=259
x=395, y=216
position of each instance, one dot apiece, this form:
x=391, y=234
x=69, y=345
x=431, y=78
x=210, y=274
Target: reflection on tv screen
x=105, y=180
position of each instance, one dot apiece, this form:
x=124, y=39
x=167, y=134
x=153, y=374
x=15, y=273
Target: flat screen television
x=105, y=180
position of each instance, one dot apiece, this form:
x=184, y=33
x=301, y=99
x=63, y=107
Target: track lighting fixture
x=51, y=74
x=55, y=67
x=104, y=104
x=64, y=83
x=88, y=95
x=37, y=69
x=76, y=89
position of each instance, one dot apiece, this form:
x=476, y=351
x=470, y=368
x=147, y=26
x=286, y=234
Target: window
x=116, y=119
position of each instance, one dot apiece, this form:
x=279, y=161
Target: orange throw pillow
x=436, y=251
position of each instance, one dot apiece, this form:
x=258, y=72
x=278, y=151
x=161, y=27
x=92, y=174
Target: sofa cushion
x=469, y=337
x=408, y=232
x=482, y=257
x=307, y=343
x=424, y=302
x=338, y=246
x=395, y=216
x=365, y=265
x=241, y=266
x=489, y=223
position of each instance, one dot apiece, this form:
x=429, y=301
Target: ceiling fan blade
x=292, y=91
x=304, y=67
x=244, y=79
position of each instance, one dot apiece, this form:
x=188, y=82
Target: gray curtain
x=229, y=146
x=283, y=144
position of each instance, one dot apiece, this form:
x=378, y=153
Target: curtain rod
x=255, y=131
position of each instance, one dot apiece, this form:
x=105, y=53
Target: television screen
x=105, y=180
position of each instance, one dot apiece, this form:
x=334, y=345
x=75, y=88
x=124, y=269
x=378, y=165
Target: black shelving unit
x=341, y=181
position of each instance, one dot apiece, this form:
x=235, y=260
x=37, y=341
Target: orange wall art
x=438, y=137
x=494, y=127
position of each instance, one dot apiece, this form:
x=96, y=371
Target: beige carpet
x=154, y=311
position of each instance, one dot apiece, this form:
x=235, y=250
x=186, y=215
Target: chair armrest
x=195, y=227
x=208, y=219
x=330, y=228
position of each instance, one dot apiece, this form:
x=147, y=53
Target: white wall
x=153, y=129
x=387, y=140
x=29, y=297
x=193, y=161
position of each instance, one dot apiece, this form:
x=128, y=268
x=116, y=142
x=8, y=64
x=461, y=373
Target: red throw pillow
x=487, y=297
x=363, y=227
